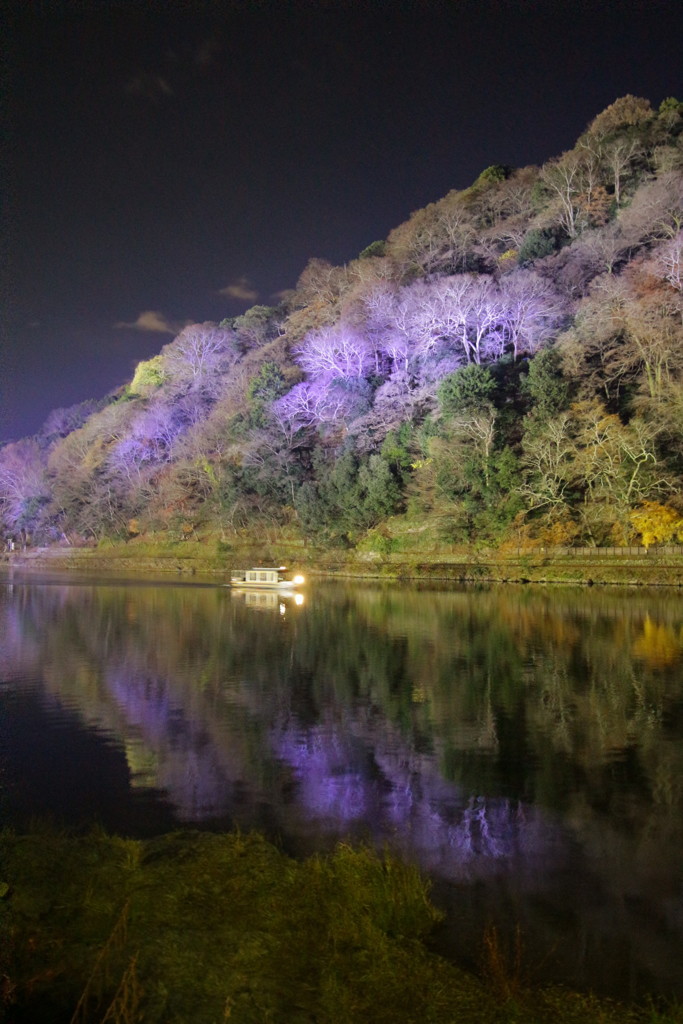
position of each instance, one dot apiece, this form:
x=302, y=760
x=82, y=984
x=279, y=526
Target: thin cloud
x=149, y=86
x=151, y=320
x=283, y=295
x=241, y=289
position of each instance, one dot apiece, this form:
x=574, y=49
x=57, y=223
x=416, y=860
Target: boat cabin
x=264, y=577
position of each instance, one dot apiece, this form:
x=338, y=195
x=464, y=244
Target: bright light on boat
x=298, y=599
x=298, y=580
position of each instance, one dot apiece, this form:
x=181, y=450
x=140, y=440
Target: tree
x=462, y=316
x=317, y=402
x=149, y=375
x=336, y=353
x=436, y=239
x=534, y=311
x=547, y=461
x=266, y=387
x=197, y=358
x=546, y=385
x=626, y=338
x=655, y=212
x=374, y=249
x=388, y=316
x=471, y=387
x=348, y=495
x=535, y=244
x=321, y=281
x=657, y=523
x=378, y=491
x=573, y=180
x=24, y=490
x=256, y=327
x=626, y=111
x=87, y=494
x=619, y=156
x=61, y=422
x=667, y=261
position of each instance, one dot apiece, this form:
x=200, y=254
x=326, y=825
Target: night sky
x=174, y=162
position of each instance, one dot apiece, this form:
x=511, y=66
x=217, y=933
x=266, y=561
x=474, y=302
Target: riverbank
x=620, y=566
x=198, y=927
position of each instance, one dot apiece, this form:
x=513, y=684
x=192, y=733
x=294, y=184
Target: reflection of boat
x=269, y=600
x=263, y=578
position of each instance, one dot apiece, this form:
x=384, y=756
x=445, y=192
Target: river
x=523, y=745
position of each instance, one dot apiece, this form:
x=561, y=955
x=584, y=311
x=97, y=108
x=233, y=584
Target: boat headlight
x=298, y=580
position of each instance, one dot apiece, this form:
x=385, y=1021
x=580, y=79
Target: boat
x=265, y=578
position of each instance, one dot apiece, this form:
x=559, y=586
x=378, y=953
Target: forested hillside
x=507, y=366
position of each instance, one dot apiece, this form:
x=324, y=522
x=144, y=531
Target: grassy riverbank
x=405, y=553
x=194, y=927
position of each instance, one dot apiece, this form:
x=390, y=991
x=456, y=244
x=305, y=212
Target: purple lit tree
x=336, y=353
x=462, y=317
x=389, y=323
x=534, y=311
x=321, y=401
x=23, y=488
x=198, y=357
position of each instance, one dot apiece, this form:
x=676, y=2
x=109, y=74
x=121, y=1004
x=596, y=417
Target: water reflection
x=524, y=745
x=269, y=600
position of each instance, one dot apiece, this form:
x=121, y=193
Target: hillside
x=505, y=368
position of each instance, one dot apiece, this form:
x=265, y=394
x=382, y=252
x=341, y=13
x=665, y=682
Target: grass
x=195, y=928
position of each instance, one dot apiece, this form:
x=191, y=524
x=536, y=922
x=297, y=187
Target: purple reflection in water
x=177, y=751
x=401, y=798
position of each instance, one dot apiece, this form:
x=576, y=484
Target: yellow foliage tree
x=148, y=376
x=657, y=524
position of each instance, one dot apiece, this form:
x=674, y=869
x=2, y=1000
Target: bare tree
x=198, y=357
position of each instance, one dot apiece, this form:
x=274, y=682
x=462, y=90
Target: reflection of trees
x=459, y=725
x=565, y=679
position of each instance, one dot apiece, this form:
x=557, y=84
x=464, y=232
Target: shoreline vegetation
x=206, y=927
x=210, y=555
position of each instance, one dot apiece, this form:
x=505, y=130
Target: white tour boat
x=265, y=578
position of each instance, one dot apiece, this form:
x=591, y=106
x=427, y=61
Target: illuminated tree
x=388, y=316
x=462, y=316
x=336, y=353
x=574, y=180
x=24, y=489
x=198, y=357
x=534, y=311
x=656, y=523
x=547, y=462
x=667, y=261
x=149, y=375
x=620, y=155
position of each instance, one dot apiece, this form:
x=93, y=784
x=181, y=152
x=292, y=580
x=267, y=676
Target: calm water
x=524, y=746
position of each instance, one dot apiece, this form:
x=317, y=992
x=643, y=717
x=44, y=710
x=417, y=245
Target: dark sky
x=167, y=162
